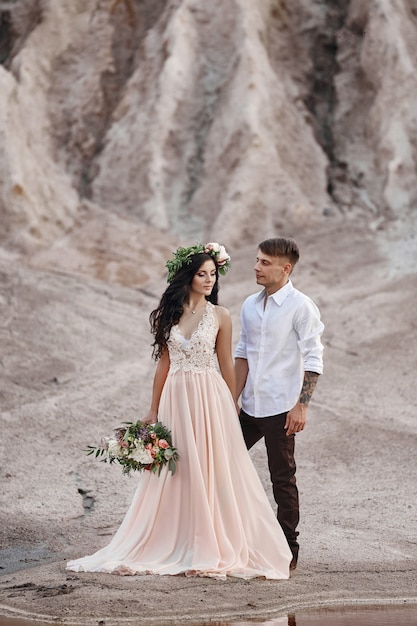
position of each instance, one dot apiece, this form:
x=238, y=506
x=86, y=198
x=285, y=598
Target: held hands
x=296, y=419
x=150, y=418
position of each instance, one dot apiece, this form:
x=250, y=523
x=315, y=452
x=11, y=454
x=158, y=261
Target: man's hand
x=296, y=419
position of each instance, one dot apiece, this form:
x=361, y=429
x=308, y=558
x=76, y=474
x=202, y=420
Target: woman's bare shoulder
x=222, y=312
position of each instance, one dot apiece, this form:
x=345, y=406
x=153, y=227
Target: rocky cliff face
x=182, y=119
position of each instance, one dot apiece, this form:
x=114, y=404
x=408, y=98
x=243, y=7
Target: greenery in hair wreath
x=182, y=256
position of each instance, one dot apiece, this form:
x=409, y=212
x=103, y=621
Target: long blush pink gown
x=212, y=518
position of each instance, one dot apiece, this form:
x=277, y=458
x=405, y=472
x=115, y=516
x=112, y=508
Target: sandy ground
x=75, y=362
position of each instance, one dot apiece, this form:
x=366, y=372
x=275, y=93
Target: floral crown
x=182, y=256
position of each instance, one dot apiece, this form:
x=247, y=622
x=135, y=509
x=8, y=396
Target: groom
x=279, y=358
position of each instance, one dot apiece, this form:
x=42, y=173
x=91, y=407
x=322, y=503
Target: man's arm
x=309, y=385
x=296, y=418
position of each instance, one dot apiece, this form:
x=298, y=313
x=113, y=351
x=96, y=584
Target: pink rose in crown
x=163, y=443
x=220, y=252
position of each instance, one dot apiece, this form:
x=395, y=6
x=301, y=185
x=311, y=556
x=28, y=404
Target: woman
x=212, y=518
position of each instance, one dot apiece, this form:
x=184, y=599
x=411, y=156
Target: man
x=279, y=358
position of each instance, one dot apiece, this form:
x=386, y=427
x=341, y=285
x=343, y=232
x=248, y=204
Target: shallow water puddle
x=372, y=616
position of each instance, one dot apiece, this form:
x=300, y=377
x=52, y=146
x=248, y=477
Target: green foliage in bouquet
x=138, y=447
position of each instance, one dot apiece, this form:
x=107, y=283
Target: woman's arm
x=224, y=348
x=241, y=361
x=161, y=374
x=241, y=371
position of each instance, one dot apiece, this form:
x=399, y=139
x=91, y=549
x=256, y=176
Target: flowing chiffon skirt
x=212, y=518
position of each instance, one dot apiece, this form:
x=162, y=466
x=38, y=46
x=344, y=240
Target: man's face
x=272, y=272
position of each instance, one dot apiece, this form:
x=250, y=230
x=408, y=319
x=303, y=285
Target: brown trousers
x=281, y=462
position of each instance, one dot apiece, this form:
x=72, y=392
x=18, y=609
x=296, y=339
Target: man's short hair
x=282, y=247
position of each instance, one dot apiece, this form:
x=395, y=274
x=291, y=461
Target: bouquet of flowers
x=138, y=447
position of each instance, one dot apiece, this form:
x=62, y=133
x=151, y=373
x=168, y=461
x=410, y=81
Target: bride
x=212, y=518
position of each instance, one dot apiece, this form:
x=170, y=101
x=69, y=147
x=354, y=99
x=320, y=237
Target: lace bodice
x=197, y=353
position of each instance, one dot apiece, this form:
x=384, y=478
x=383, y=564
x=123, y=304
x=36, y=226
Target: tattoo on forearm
x=309, y=384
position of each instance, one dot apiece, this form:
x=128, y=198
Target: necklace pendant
x=193, y=312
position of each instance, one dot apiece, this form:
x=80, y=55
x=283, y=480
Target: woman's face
x=204, y=279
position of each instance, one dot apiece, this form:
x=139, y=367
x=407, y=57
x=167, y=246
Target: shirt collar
x=279, y=295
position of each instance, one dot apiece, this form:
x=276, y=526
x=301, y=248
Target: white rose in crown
x=142, y=456
x=223, y=257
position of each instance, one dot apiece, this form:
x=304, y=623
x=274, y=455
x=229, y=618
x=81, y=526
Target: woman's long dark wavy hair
x=171, y=305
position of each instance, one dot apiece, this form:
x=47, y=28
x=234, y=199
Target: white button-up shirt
x=280, y=341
